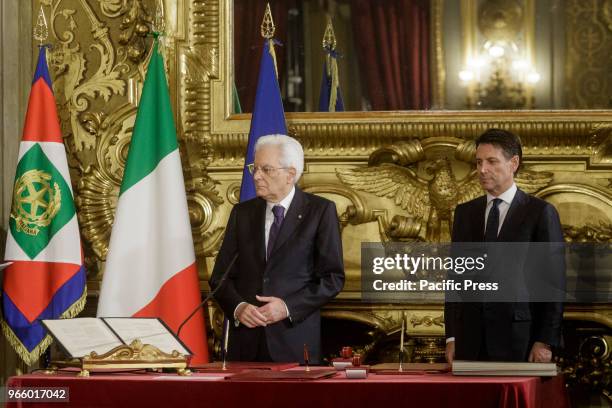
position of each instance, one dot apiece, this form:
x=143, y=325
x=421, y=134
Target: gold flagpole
x=267, y=32
x=41, y=29
x=329, y=45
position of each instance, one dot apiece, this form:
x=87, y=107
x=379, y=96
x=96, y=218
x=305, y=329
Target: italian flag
x=150, y=267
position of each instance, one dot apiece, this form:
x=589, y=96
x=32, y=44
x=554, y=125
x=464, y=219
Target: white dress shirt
x=506, y=197
x=285, y=203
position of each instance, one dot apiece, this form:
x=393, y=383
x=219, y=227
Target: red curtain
x=392, y=41
x=248, y=44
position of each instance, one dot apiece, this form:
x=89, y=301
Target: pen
x=401, y=353
x=306, y=357
x=225, y=341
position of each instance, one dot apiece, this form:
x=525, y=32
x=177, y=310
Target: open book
x=499, y=368
x=79, y=337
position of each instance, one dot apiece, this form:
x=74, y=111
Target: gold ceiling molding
x=356, y=135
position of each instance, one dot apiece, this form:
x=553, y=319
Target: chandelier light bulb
x=496, y=51
x=520, y=65
x=533, y=77
x=476, y=62
x=466, y=75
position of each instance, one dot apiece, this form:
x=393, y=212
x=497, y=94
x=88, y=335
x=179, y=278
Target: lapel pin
x=299, y=216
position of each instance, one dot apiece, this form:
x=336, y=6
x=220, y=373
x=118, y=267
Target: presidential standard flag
x=268, y=114
x=150, y=267
x=330, y=97
x=47, y=279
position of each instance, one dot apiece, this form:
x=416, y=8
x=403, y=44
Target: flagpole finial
x=329, y=37
x=41, y=30
x=159, y=24
x=267, y=25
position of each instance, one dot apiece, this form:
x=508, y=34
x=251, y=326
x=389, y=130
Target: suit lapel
x=479, y=216
x=514, y=217
x=293, y=218
x=259, y=219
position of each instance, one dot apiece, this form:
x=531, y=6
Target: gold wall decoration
x=500, y=20
x=588, y=65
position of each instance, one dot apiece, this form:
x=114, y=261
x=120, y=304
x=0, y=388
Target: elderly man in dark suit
x=503, y=331
x=289, y=261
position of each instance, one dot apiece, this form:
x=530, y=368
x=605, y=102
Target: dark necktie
x=493, y=222
x=279, y=216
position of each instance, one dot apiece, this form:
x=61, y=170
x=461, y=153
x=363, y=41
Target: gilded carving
x=591, y=367
x=607, y=13
x=74, y=89
x=588, y=233
x=199, y=64
x=202, y=200
x=98, y=188
x=553, y=134
x=427, y=321
x=134, y=26
x=420, y=179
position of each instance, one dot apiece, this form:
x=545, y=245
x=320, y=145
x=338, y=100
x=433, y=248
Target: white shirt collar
x=507, y=196
x=285, y=202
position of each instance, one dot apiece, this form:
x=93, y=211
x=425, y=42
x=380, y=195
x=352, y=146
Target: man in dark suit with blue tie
x=289, y=261
x=503, y=331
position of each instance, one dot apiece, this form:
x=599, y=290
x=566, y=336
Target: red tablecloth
x=377, y=391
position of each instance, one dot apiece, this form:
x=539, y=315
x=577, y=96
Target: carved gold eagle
x=432, y=200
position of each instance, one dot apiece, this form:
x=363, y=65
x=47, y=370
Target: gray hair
x=292, y=154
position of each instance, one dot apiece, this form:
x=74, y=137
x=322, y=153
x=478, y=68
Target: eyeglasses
x=268, y=170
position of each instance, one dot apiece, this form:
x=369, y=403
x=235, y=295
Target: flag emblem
x=35, y=201
x=42, y=202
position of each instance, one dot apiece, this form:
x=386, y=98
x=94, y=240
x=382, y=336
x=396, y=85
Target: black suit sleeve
x=227, y=296
x=549, y=315
x=328, y=269
x=451, y=309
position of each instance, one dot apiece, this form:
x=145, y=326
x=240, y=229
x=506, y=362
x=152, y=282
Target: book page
x=148, y=331
x=83, y=335
x=4, y=265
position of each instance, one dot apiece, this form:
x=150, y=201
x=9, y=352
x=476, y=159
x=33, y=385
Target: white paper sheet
x=83, y=335
x=148, y=331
